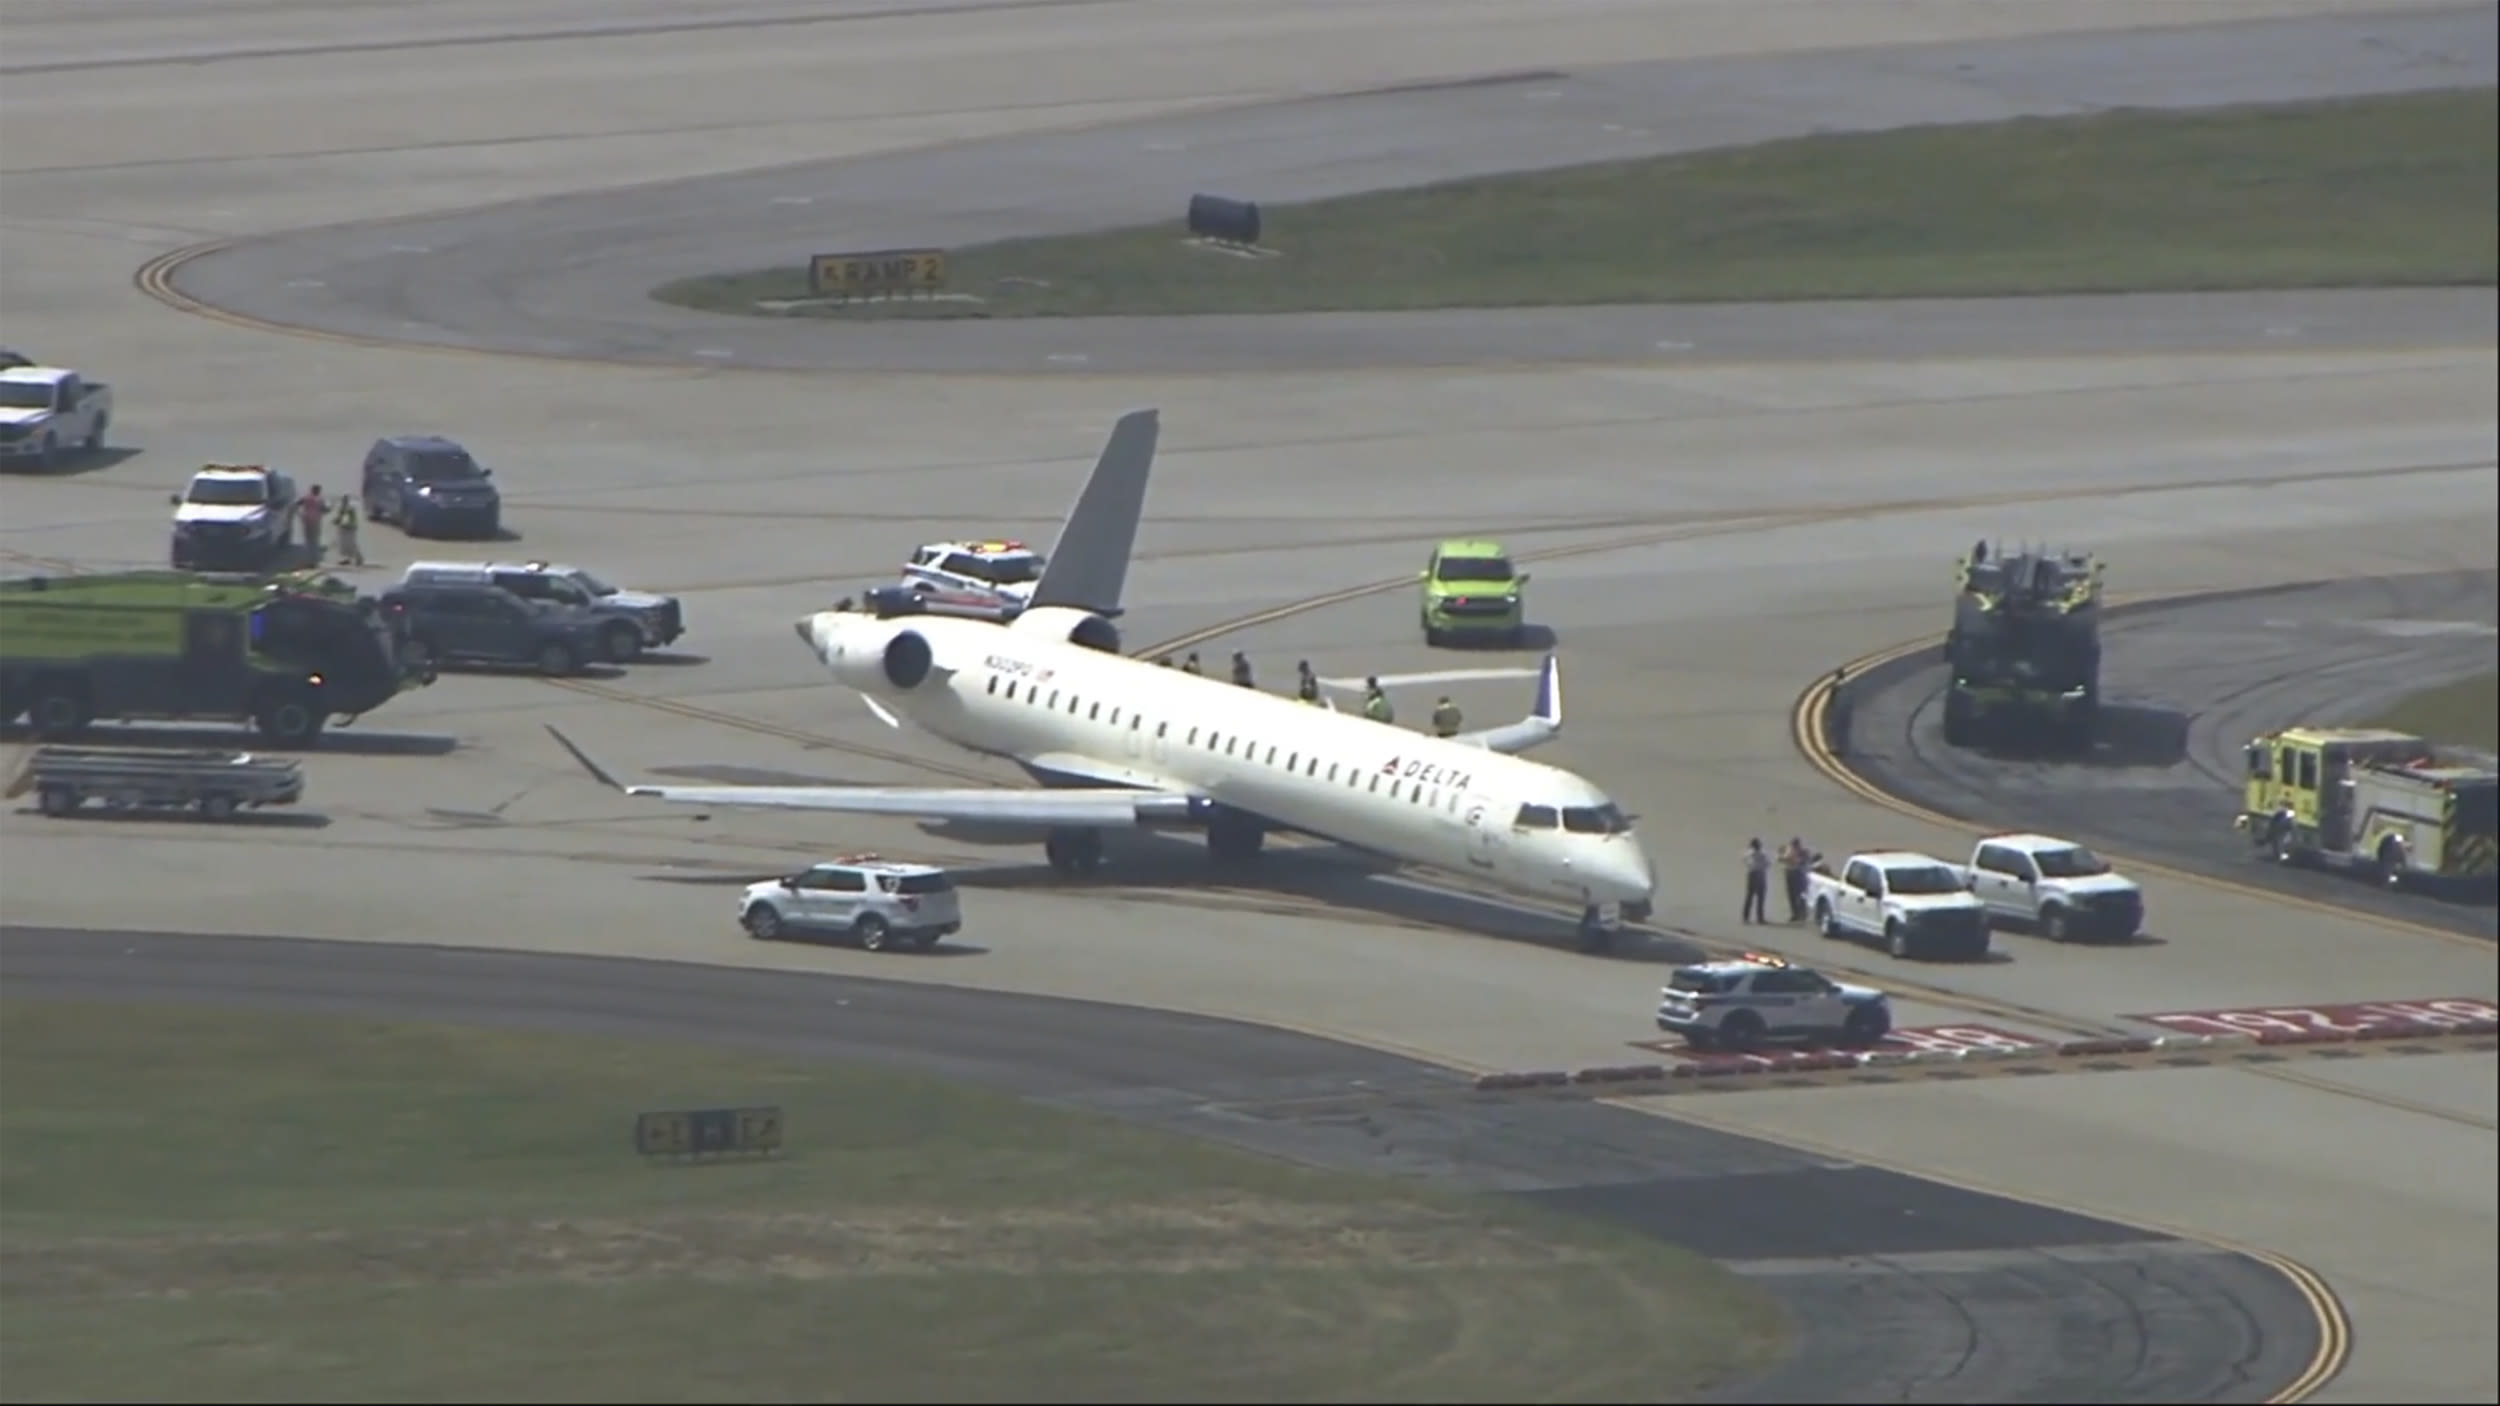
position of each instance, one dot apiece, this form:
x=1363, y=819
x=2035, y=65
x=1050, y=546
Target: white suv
x=860, y=896
x=1741, y=1004
x=1004, y=572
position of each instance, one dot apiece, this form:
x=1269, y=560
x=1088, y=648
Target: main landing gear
x=1596, y=934
x=1234, y=838
x=1073, y=852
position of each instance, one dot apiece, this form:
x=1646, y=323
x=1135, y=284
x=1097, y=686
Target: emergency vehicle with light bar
x=874, y=902
x=285, y=653
x=2024, y=652
x=998, y=574
x=2387, y=803
x=233, y=517
x=1760, y=997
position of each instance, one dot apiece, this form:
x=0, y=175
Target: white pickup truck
x=2056, y=887
x=48, y=411
x=234, y=517
x=1914, y=904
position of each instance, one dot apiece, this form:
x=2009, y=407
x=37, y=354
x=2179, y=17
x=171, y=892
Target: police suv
x=873, y=901
x=1001, y=572
x=1742, y=1003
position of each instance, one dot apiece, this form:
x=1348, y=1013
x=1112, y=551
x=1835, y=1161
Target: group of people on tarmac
x=312, y=511
x=1795, y=861
x=1376, y=705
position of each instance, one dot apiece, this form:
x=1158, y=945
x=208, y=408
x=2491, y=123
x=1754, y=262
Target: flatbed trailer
x=213, y=783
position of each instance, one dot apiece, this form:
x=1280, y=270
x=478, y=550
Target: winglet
x=1543, y=723
x=597, y=772
x=1088, y=565
x=1548, y=709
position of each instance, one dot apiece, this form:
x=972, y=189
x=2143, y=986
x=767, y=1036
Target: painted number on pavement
x=1939, y=1038
x=2346, y=1019
x=1946, y=1038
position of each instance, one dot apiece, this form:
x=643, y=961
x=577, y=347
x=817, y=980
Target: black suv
x=431, y=487
x=473, y=624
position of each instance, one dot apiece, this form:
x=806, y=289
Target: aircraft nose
x=817, y=632
x=1628, y=871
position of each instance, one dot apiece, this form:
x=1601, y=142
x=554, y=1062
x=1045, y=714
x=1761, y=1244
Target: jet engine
x=1070, y=626
x=871, y=655
x=906, y=660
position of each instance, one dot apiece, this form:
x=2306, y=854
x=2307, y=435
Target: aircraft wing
x=1086, y=807
x=1542, y=725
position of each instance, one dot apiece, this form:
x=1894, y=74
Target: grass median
x=2465, y=713
x=204, y=1205
x=2377, y=191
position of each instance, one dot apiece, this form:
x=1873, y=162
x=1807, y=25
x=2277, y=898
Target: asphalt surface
x=1910, y=1290
x=760, y=496
x=568, y=275
x=2186, y=685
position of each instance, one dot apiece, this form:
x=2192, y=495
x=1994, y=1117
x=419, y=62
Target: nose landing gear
x=1597, y=934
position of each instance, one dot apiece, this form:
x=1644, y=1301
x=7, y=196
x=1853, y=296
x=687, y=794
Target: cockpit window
x=1537, y=818
x=1595, y=820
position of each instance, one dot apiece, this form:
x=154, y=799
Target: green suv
x=1472, y=591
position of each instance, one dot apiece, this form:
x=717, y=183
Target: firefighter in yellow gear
x=1306, y=684
x=1445, y=718
x=1376, y=702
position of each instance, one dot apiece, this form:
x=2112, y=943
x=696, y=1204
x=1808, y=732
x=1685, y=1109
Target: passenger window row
x=1247, y=749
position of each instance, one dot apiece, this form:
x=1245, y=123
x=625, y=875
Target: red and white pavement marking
x=1939, y=1039
x=2349, y=1018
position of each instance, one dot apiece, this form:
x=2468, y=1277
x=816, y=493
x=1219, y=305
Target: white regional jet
x=1121, y=743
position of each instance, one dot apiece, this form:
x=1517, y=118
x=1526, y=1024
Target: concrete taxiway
x=1707, y=538
x=582, y=264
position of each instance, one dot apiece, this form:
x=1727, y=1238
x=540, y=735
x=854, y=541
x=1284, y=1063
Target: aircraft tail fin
x=1089, y=563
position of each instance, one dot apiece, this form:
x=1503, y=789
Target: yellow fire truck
x=2387, y=803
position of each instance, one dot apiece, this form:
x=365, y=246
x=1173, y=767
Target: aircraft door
x=1136, y=736
x=1484, y=833
x=1162, y=745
